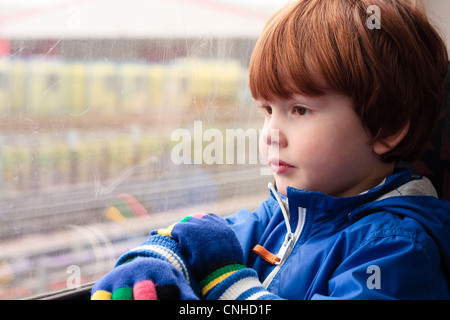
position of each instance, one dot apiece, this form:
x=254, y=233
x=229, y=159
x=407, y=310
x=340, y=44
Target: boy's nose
x=273, y=135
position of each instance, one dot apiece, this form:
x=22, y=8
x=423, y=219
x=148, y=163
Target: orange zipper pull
x=266, y=255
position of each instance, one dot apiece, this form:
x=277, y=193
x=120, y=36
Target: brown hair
x=393, y=74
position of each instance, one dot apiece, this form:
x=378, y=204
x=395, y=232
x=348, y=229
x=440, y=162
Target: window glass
x=116, y=118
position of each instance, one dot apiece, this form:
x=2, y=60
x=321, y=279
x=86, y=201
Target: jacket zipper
x=287, y=247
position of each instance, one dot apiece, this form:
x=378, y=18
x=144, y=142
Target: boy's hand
x=143, y=279
x=163, y=248
x=211, y=248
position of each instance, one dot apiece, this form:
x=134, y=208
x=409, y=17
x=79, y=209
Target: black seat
x=435, y=161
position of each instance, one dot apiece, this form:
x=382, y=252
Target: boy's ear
x=381, y=146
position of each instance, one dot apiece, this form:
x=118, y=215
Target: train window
x=116, y=118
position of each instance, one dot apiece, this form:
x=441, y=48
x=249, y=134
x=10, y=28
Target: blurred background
x=90, y=94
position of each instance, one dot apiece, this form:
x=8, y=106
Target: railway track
x=43, y=238
x=44, y=213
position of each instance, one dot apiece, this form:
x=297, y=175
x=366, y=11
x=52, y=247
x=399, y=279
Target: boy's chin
x=281, y=187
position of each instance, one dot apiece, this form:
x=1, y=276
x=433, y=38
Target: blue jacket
x=392, y=242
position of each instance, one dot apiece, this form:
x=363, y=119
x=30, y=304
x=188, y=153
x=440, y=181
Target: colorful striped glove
x=154, y=270
x=215, y=258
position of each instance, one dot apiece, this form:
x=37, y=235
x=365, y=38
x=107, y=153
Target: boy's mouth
x=279, y=167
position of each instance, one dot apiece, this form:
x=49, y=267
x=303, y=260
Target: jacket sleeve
x=242, y=284
x=250, y=226
x=389, y=266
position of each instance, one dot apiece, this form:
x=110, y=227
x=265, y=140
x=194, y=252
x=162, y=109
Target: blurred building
x=151, y=30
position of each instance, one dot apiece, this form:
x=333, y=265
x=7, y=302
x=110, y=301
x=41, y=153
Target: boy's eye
x=267, y=110
x=299, y=110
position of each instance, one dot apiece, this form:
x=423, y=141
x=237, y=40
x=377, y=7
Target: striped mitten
x=215, y=258
x=156, y=270
x=143, y=279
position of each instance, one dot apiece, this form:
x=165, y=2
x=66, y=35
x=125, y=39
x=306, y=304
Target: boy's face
x=319, y=144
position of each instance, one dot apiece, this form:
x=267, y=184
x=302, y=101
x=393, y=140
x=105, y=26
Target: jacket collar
x=326, y=207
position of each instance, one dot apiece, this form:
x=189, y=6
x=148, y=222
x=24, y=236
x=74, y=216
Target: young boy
x=349, y=88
